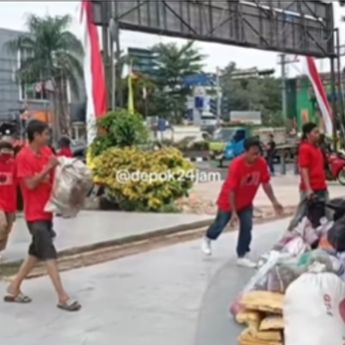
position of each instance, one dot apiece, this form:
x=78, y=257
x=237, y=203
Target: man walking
x=271, y=152
x=8, y=192
x=235, y=201
x=311, y=165
x=35, y=169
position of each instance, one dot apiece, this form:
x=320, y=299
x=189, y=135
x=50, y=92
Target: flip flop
x=20, y=298
x=70, y=305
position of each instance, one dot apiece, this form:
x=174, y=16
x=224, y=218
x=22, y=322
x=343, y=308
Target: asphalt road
x=169, y=296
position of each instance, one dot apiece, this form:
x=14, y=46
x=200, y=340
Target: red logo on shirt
x=251, y=179
x=6, y=178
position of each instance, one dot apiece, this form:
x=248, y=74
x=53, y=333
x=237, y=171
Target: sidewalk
x=96, y=227
x=286, y=189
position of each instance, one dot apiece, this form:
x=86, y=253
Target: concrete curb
x=122, y=241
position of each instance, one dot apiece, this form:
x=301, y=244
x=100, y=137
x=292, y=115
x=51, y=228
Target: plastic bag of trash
x=296, y=247
x=336, y=235
x=259, y=279
x=281, y=276
x=307, y=231
x=72, y=182
x=314, y=310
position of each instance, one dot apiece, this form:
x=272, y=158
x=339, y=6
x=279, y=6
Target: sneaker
x=206, y=246
x=246, y=262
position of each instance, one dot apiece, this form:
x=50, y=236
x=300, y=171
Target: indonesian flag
x=321, y=95
x=96, y=90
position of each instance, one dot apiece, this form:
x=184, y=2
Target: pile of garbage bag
x=301, y=278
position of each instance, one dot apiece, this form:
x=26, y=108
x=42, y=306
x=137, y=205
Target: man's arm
x=33, y=182
x=305, y=164
x=306, y=180
x=234, y=179
x=233, y=201
x=267, y=187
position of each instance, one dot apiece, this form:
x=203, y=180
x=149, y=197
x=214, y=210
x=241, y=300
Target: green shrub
x=119, y=129
x=113, y=165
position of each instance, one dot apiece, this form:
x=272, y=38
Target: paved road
x=168, y=296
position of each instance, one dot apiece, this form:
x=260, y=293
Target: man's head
x=311, y=132
x=65, y=142
x=253, y=149
x=38, y=133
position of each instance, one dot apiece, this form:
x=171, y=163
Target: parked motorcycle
x=336, y=167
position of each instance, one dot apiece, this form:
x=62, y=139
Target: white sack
x=72, y=182
x=314, y=310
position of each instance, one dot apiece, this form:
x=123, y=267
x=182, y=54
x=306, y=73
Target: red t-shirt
x=244, y=180
x=65, y=152
x=8, y=185
x=30, y=164
x=310, y=157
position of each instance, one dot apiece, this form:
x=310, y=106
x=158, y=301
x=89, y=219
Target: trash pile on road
x=297, y=295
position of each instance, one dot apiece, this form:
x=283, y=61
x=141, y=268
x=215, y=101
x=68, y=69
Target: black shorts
x=42, y=246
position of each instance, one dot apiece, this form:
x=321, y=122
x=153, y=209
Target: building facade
x=20, y=101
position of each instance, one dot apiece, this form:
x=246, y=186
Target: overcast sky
x=14, y=13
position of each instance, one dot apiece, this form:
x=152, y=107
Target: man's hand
x=278, y=208
x=53, y=163
x=309, y=194
x=234, y=219
x=3, y=221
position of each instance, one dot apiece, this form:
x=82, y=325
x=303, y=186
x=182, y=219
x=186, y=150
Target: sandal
x=20, y=298
x=70, y=305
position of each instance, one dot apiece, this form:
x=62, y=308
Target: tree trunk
x=64, y=122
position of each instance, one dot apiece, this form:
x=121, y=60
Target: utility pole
x=219, y=97
x=283, y=63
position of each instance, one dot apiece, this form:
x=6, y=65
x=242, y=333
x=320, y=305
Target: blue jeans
x=245, y=233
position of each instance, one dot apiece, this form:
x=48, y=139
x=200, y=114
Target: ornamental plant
x=119, y=129
x=141, y=180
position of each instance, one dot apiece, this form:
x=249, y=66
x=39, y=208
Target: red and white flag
x=321, y=95
x=95, y=84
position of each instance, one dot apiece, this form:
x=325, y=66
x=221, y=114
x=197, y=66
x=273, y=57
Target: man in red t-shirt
x=235, y=202
x=65, y=148
x=311, y=163
x=8, y=192
x=35, y=170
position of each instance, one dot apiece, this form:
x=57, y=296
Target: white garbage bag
x=314, y=310
x=72, y=182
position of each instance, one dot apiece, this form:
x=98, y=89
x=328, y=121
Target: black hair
x=307, y=129
x=252, y=142
x=64, y=142
x=6, y=145
x=35, y=127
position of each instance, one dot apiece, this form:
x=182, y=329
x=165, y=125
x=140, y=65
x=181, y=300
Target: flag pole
x=130, y=90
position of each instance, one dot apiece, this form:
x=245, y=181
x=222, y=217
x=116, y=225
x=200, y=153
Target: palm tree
x=174, y=64
x=53, y=55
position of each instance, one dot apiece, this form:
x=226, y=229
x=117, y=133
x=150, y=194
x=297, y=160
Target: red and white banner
x=321, y=95
x=95, y=84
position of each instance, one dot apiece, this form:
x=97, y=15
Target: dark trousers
x=270, y=162
x=245, y=233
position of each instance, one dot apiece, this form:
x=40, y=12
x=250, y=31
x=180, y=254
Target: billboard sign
x=291, y=26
